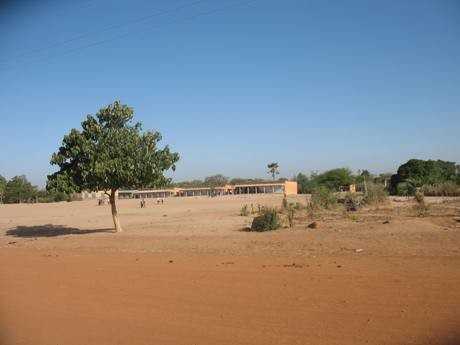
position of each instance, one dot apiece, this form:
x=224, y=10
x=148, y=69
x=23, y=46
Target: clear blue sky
x=310, y=84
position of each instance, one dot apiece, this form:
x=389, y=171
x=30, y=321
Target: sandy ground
x=186, y=272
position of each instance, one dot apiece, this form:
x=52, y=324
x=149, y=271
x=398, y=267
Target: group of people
x=143, y=202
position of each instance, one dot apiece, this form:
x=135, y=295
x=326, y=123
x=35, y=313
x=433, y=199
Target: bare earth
x=186, y=272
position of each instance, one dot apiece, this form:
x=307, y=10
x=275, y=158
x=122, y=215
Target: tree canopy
x=18, y=190
x=218, y=180
x=416, y=173
x=111, y=152
x=335, y=178
x=2, y=187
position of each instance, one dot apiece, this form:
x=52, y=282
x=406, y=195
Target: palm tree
x=273, y=169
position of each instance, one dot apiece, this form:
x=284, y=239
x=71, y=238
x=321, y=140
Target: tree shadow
x=50, y=230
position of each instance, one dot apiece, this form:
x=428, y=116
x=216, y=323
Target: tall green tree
x=273, y=169
x=305, y=184
x=18, y=190
x=2, y=188
x=112, y=152
x=335, y=178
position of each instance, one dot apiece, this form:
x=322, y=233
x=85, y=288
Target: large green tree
x=418, y=172
x=18, y=190
x=335, y=178
x=111, y=152
x=2, y=188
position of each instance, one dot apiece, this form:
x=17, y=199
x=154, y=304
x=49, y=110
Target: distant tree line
x=19, y=190
x=220, y=180
x=429, y=176
x=432, y=177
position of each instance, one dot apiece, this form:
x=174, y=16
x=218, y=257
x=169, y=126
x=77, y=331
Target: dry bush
x=375, y=194
x=421, y=207
x=268, y=220
x=352, y=201
x=441, y=189
x=244, y=211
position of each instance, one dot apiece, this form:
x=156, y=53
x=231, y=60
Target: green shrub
x=323, y=197
x=244, y=211
x=375, y=194
x=267, y=221
x=405, y=188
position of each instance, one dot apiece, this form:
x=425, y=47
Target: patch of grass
x=268, y=220
x=353, y=217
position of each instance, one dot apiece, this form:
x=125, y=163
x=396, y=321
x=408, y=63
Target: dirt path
x=56, y=297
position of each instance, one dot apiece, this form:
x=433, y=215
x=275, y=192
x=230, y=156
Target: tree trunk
x=113, y=204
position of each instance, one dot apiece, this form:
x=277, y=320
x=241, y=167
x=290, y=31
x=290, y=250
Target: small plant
x=244, y=211
x=267, y=221
x=290, y=215
x=353, y=217
x=421, y=208
x=323, y=197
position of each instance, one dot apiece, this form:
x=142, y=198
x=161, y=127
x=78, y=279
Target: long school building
x=287, y=187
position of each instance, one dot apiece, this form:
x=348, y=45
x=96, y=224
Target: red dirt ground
x=193, y=277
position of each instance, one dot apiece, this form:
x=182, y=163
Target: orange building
x=287, y=187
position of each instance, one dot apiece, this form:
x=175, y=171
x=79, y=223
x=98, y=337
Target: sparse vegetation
x=448, y=188
x=323, y=197
x=375, y=194
x=268, y=220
